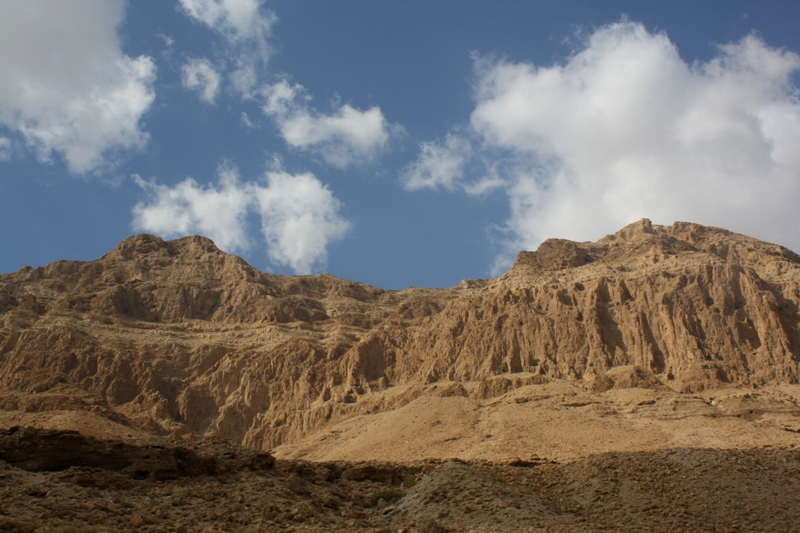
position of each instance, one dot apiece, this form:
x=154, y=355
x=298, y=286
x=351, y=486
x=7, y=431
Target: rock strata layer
x=178, y=338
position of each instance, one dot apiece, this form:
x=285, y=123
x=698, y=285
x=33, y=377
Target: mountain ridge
x=179, y=338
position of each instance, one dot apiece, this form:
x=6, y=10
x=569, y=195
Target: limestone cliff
x=180, y=338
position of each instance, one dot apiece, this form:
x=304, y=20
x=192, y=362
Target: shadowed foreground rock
x=697, y=490
x=50, y=450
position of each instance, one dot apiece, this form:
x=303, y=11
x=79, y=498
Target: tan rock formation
x=690, y=306
x=180, y=338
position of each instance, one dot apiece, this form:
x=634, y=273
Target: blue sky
x=411, y=143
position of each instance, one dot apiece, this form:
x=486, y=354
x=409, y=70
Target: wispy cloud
x=238, y=20
x=625, y=129
x=342, y=138
x=299, y=215
x=438, y=165
x=5, y=149
x=345, y=136
x=246, y=27
x=66, y=86
x=200, y=76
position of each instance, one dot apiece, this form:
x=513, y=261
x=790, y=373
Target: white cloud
x=438, y=165
x=461, y=162
x=246, y=28
x=199, y=75
x=236, y=19
x=168, y=41
x=345, y=136
x=281, y=99
x=299, y=215
x=342, y=138
x=244, y=77
x=300, y=218
x=5, y=149
x=218, y=212
x=244, y=118
x=626, y=129
x=66, y=86
x=486, y=184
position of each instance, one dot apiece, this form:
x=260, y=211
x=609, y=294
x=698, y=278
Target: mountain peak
x=193, y=341
x=145, y=244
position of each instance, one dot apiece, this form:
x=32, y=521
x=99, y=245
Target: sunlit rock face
x=179, y=338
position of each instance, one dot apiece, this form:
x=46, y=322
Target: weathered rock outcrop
x=180, y=338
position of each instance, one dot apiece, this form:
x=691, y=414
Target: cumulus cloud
x=299, y=218
x=299, y=215
x=626, y=129
x=344, y=137
x=199, y=75
x=218, y=212
x=66, y=86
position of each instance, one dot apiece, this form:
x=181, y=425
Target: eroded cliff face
x=180, y=338
x=693, y=307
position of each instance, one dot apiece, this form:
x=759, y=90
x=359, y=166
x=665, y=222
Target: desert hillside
x=655, y=352
x=179, y=338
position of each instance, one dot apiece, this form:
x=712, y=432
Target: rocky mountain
x=178, y=338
